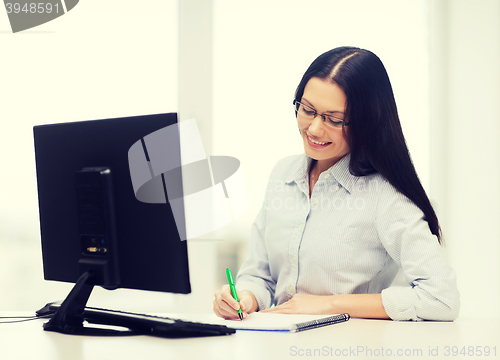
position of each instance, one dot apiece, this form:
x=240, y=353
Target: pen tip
x=241, y=316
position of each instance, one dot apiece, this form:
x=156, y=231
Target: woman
x=340, y=220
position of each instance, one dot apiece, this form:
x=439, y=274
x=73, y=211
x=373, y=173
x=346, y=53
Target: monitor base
x=69, y=318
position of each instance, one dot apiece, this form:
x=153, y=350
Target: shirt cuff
x=407, y=303
x=399, y=303
x=262, y=295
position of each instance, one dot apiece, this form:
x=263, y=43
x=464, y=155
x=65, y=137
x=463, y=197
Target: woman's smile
x=315, y=143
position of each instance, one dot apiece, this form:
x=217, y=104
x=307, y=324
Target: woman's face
x=323, y=143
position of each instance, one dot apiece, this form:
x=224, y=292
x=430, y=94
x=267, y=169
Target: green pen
x=233, y=290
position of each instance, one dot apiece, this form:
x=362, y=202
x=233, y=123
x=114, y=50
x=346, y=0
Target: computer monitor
x=94, y=230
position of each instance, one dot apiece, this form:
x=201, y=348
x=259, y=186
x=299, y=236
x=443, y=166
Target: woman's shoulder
x=375, y=180
x=378, y=184
x=386, y=196
x=291, y=161
x=287, y=167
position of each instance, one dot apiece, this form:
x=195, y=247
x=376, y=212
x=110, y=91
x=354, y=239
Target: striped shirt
x=351, y=236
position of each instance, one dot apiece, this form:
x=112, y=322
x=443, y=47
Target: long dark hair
x=374, y=132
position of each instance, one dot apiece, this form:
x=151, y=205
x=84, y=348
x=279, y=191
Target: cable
x=22, y=318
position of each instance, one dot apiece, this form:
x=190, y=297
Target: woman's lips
x=315, y=143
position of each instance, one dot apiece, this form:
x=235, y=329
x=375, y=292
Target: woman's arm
x=356, y=305
x=360, y=305
x=432, y=293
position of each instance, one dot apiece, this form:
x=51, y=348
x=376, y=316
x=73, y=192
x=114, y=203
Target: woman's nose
x=316, y=126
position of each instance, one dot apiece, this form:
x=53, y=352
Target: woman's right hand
x=226, y=307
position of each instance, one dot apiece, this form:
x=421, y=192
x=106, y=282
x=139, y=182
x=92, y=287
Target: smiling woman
x=323, y=255
x=356, y=79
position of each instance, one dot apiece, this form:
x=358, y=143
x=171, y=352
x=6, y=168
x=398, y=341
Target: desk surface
x=465, y=338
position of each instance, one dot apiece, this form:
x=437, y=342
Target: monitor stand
x=69, y=318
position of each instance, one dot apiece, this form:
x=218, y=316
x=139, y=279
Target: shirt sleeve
x=254, y=275
x=405, y=234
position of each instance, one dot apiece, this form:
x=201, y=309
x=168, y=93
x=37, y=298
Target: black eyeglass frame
x=297, y=104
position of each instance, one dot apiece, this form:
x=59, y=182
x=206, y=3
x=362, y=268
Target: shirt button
x=327, y=176
x=337, y=188
x=290, y=289
x=315, y=202
x=300, y=228
x=294, y=258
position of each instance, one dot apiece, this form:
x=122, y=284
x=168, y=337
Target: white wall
x=102, y=59
x=465, y=126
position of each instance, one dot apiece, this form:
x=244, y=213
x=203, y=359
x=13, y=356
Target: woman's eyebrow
x=331, y=111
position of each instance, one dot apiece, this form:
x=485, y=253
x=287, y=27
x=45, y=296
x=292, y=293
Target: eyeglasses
x=309, y=113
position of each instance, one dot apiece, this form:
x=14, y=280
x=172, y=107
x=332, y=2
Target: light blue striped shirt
x=350, y=237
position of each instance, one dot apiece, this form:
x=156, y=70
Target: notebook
x=285, y=322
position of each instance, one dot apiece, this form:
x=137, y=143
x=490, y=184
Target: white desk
x=357, y=339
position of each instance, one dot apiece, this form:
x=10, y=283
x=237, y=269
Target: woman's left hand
x=304, y=304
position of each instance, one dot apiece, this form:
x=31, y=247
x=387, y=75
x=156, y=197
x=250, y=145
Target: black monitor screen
x=149, y=252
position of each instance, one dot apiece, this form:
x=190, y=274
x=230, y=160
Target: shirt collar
x=299, y=169
x=340, y=171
